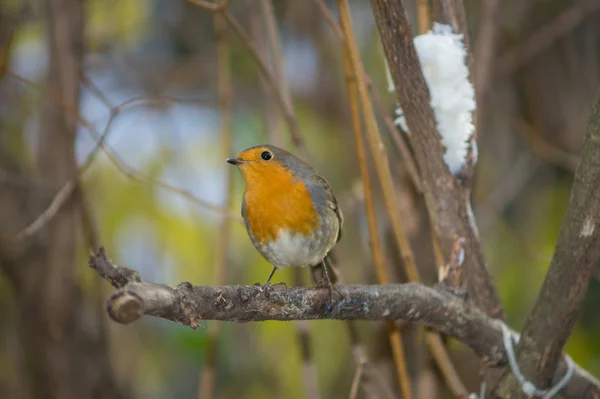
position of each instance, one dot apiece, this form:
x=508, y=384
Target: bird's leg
x=271, y=275
x=268, y=284
x=327, y=281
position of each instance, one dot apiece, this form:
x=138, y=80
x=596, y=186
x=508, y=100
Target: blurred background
x=144, y=77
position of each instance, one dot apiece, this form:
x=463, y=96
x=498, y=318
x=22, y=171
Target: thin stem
x=356, y=381
x=423, y=11
x=328, y=15
x=270, y=108
x=65, y=192
x=399, y=140
x=207, y=379
x=382, y=167
x=374, y=239
x=286, y=107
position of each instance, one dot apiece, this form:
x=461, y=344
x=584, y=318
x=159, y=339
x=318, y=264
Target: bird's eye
x=266, y=155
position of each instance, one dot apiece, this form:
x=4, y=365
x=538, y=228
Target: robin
x=290, y=212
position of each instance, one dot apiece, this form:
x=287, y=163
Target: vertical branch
x=65, y=353
x=287, y=109
x=424, y=15
x=270, y=23
x=447, y=196
x=485, y=52
x=558, y=304
x=378, y=152
x=270, y=109
x=303, y=332
x=382, y=167
x=407, y=158
x=206, y=388
x=453, y=12
x=374, y=239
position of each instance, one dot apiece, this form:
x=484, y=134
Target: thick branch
x=437, y=309
x=578, y=247
x=447, y=197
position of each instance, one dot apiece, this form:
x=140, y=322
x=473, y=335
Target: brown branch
x=394, y=333
x=356, y=380
x=424, y=16
x=545, y=150
x=357, y=76
x=399, y=140
x=447, y=196
x=434, y=308
x=206, y=388
x=330, y=18
x=578, y=247
x=286, y=107
x=270, y=109
x=357, y=84
x=542, y=39
x=485, y=52
x=407, y=157
x=67, y=189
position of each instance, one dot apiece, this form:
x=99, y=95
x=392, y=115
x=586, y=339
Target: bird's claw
x=268, y=287
x=332, y=289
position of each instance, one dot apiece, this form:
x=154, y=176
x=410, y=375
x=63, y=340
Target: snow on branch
x=443, y=59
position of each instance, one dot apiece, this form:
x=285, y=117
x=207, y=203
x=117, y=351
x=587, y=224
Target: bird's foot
x=268, y=287
x=333, y=289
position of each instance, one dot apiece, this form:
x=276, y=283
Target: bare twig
x=303, y=332
x=453, y=13
x=559, y=301
x=436, y=309
x=67, y=189
x=272, y=113
x=286, y=107
x=382, y=167
x=447, y=197
x=400, y=142
x=485, y=53
x=399, y=139
x=546, y=151
x=374, y=240
x=542, y=39
x=328, y=15
x=424, y=17
x=206, y=389
x=356, y=381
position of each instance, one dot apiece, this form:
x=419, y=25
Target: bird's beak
x=235, y=161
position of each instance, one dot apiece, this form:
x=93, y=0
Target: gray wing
x=323, y=194
x=244, y=213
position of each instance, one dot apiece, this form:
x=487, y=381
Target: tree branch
x=435, y=308
x=578, y=247
x=447, y=197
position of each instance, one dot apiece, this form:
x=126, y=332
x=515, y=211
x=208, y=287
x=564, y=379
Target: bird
x=290, y=211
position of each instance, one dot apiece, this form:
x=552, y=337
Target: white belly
x=295, y=249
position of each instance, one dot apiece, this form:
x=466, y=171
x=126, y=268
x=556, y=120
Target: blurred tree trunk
x=62, y=343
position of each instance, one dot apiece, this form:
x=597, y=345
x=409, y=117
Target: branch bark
x=447, y=196
x=559, y=302
x=435, y=308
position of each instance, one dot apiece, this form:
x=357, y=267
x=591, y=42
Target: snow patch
x=443, y=58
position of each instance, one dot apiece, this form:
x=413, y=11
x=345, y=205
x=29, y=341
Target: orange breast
x=275, y=201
